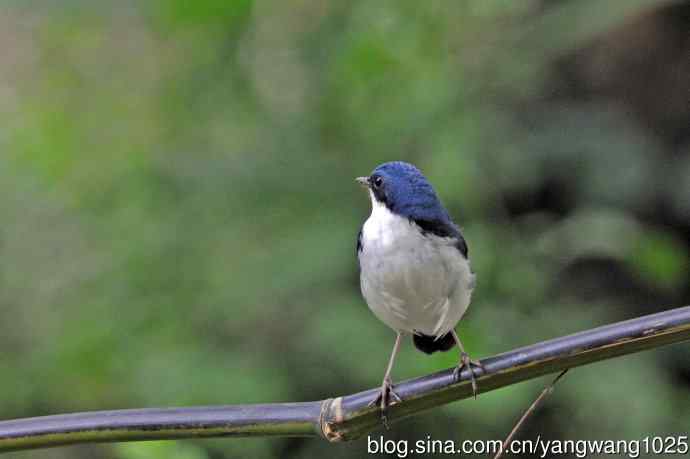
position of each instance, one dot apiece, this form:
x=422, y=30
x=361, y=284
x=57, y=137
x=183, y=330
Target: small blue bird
x=415, y=271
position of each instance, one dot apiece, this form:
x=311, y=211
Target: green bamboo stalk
x=348, y=417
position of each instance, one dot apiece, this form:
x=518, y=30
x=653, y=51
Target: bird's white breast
x=413, y=282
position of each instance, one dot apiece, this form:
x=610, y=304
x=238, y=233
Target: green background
x=178, y=211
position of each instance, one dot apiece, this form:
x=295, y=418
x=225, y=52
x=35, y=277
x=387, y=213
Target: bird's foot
x=470, y=364
x=383, y=399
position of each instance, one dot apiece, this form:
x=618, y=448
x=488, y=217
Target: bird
x=415, y=272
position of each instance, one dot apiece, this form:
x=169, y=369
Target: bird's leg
x=466, y=362
x=387, y=384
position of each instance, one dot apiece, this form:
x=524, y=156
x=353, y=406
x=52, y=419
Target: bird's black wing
x=442, y=228
x=359, y=241
x=462, y=245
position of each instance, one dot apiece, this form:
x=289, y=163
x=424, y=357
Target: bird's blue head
x=404, y=190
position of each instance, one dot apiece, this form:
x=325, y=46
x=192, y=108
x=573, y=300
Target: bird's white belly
x=414, y=283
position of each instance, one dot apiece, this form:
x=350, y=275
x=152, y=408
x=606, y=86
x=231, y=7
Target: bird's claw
x=383, y=398
x=467, y=362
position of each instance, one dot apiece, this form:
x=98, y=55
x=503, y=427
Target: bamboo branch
x=348, y=417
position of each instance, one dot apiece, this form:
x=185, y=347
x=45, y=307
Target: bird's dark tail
x=430, y=344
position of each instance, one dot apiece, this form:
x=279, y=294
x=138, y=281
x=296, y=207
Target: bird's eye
x=377, y=181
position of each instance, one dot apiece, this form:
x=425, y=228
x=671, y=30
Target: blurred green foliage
x=179, y=212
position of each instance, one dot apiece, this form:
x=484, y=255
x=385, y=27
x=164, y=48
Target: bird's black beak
x=364, y=181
